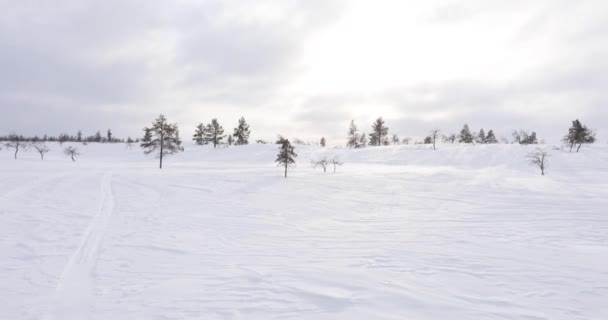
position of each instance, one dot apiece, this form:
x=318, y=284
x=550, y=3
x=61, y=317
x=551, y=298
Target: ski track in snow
x=74, y=292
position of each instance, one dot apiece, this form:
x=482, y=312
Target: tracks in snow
x=74, y=291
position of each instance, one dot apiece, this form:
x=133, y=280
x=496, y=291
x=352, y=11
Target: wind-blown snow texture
x=398, y=233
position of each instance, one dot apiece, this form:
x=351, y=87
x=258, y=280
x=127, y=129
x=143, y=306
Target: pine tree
x=379, y=133
x=214, y=133
x=465, y=135
x=353, y=140
x=79, y=136
x=362, y=141
x=162, y=137
x=230, y=140
x=199, y=134
x=241, y=132
x=286, y=156
x=491, y=138
x=109, y=135
x=579, y=134
x=323, y=142
x=481, y=137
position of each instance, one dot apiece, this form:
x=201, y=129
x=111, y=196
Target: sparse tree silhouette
x=335, y=162
x=242, y=132
x=579, y=134
x=286, y=156
x=321, y=163
x=41, y=148
x=79, y=136
x=230, y=140
x=451, y=138
x=71, y=152
x=214, y=133
x=323, y=142
x=199, y=134
x=406, y=140
x=538, y=158
x=435, y=134
x=395, y=139
x=17, y=143
x=379, y=133
x=161, y=137
x=353, y=140
x=465, y=135
x=109, y=135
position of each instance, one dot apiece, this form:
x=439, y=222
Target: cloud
x=302, y=68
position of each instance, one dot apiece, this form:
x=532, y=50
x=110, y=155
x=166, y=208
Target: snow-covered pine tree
x=481, y=137
x=161, y=138
x=214, y=133
x=353, y=140
x=491, y=137
x=379, y=133
x=230, y=140
x=241, y=132
x=199, y=134
x=362, y=141
x=465, y=135
x=286, y=156
x=323, y=142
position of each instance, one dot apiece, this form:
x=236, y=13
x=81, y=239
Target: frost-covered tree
x=538, y=158
x=481, y=136
x=362, y=141
x=286, y=156
x=109, y=135
x=323, y=142
x=241, y=132
x=214, y=133
x=451, y=138
x=406, y=140
x=379, y=133
x=161, y=138
x=353, y=140
x=523, y=137
x=41, y=148
x=71, y=152
x=465, y=135
x=491, y=137
x=579, y=134
x=230, y=140
x=336, y=163
x=395, y=139
x=199, y=134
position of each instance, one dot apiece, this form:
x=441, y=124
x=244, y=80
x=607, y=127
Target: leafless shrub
x=538, y=158
x=71, y=152
x=41, y=148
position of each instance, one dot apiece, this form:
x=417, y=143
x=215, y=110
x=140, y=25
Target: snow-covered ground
x=404, y=232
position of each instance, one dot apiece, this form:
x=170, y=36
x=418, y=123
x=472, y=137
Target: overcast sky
x=304, y=68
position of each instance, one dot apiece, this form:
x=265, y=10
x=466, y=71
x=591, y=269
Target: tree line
x=107, y=137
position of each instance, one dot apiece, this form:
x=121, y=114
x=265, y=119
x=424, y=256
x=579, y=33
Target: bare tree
x=321, y=163
x=16, y=144
x=434, y=136
x=538, y=158
x=41, y=148
x=336, y=162
x=71, y=152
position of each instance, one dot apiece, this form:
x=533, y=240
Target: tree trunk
x=16, y=150
x=579, y=146
x=161, y=150
x=285, y=170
